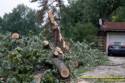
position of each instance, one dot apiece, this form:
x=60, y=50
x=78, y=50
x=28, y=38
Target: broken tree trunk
x=59, y=40
x=60, y=46
x=62, y=68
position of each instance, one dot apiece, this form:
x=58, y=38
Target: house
x=109, y=33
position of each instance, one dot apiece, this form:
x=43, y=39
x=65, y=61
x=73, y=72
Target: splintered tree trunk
x=55, y=27
x=62, y=68
x=59, y=41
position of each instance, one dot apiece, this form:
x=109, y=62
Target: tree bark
x=58, y=39
x=62, y=68
x=46, y=44
x=38, y=77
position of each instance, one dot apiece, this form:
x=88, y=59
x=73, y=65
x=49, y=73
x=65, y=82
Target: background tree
x=1, y=20
x=22, y=20
x=119, y=15
x=81, y=13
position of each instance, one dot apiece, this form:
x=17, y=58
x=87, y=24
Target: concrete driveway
x=115, y=68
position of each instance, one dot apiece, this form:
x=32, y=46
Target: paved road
x=116, y=67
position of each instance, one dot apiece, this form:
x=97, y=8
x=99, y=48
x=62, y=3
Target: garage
x=112, y=37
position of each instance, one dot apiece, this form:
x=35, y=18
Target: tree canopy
x=86, y=12
x=22, y=19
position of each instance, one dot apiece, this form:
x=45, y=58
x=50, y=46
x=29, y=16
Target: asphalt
x=115, y=69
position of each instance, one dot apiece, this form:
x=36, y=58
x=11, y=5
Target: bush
x=81, y=31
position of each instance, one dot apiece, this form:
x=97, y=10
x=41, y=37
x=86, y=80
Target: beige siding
x=102, y=43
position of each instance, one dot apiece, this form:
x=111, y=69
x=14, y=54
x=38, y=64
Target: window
x=117, y=43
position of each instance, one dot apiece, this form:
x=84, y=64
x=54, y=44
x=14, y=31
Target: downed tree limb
x=46, y=44
x=15, y=36
x=58, y=53
x=62, y=68
x=38, y=77
x=76, y=64
x=3, y=79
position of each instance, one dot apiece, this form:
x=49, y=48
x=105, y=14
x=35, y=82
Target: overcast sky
x=6, y=6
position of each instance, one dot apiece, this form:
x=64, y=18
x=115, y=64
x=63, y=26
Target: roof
x=113, y=26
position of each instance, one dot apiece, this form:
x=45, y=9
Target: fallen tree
x=59, y=44
x=62, y=68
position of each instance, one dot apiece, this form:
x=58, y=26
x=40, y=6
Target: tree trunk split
x=58, y=38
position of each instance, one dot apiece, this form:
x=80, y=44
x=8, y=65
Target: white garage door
x=115, y=37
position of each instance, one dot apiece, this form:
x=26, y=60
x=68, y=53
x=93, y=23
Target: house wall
x=114, y=37
x=101, y=42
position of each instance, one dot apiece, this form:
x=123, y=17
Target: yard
x=61, y=41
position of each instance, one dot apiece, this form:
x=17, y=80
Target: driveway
x=115, y=69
